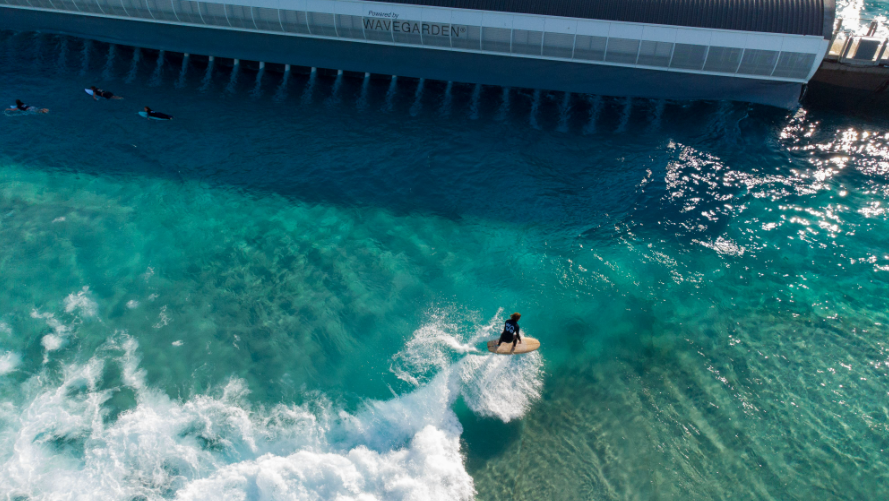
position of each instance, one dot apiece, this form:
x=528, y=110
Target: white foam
x=162, y=318
x=81, y=302
x=61, y=440
x=51, y=342
x=132, y=303
x=9, y=361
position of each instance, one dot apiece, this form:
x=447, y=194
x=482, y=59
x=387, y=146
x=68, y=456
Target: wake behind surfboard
x=527, y=345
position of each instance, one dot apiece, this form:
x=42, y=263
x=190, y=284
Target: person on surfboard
x=511, y=331
x=149, y=113
x=20, y=106
x=97, y=93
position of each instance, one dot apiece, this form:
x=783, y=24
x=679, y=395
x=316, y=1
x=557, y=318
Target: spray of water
x=157, y=76
x=535, y=107
x=108, y=70
x=625, y=116
x=233, y=81
x=503, y=111
x=310, y=87
x=390, y=94
x=417, y=106
x=281, y=93
x=564, y=113
x=183, y=71
x=446, y=101
x=134, y=65
x=62, y=434
x=362, y=97
x=257, y=87
x=208, y=76
x=595, y=110
x=474, y=103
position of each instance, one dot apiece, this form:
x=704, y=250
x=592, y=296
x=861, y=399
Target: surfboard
x=527, y=345
x=144, y=114
x=89, y=91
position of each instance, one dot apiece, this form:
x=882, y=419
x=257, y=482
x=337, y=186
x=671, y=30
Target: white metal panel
x=593, y=28
x=818, y=58
x=728, y=39
x=467, y=17
x=436, y=15
x=381, y=8
x=350, y=8
x=621, y=30
x=496, y=20
x=764, y=42
x=407, y=12
x=560, y=25
x=808, y=45
x=292, y=4
x=659, y=34
x=692, y=36
x=535, y=23
x=321, y=6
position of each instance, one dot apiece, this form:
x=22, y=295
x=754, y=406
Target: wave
x=62, y=438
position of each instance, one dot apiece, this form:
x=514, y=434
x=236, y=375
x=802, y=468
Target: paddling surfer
x=97, y=93
x=149, y=113
x=511, y=331
x=20, y=106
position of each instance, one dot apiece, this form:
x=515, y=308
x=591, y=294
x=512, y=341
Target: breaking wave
x=62, y=438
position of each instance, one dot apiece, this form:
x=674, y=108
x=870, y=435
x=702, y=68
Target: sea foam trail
x=62, y=442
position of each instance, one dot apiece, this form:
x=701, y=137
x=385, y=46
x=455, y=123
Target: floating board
x=89, y=91
x=144, y=114
x=527, y=345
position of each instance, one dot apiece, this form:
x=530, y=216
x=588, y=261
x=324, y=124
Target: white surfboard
x=527, y=345
x=89, y=91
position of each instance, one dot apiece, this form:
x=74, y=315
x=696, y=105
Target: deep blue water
x=282, y=293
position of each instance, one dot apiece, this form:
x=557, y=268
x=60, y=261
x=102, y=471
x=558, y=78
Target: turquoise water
x=283, y=293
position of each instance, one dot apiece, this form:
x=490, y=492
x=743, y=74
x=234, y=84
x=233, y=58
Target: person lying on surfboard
x=156, y=114
x=511, y=331
x=97, y=93
x=20, y=106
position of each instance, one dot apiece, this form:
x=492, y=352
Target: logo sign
x=389, y=22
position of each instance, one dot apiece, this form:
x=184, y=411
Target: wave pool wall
x=417, y=62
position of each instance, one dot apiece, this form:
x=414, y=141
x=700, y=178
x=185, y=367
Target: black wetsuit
x=103, y=93
x=157, y=114
x=510, y=331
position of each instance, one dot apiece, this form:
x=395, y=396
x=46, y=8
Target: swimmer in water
x=97, y=93
x=157, y=114
x=20, y=106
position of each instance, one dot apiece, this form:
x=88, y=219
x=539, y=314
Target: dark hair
x=148, y=109
x=93, y=88
x=19, y=102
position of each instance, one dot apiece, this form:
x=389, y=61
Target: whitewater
x=63, y=441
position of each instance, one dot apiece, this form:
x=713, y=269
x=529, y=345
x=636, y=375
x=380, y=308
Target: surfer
x=511, y=331
x=20, y=106
x=156, y=114
x=97, y=93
